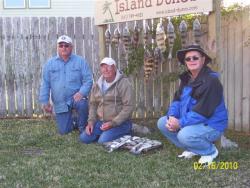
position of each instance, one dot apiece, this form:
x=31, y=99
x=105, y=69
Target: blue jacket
x=200, y=101
x=63, y=80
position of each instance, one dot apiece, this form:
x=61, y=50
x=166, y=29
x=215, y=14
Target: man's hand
x=169, y=127
x=173, y=124
x=77, y=97
x=89, y=128
x=47, y=108
x=106, y=126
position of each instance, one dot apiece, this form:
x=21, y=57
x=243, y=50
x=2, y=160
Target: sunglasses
x=108, y=67
x=192, y=58
x=63, y=45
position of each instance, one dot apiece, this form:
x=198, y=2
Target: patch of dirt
x=241, y=138
x=151, y=123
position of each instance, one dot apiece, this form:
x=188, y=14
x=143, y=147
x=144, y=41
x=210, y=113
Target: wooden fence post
x=101, y=30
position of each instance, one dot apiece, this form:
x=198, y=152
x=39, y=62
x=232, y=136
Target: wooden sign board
x=114, y=11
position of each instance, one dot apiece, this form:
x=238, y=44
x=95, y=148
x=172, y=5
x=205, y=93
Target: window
x=39, y=3
x=14, y=3
x=26, y=4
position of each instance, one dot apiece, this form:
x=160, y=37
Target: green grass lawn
x=32, y=154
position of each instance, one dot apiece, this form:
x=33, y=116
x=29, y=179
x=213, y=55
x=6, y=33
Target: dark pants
x=76, y=117
x=105, y=136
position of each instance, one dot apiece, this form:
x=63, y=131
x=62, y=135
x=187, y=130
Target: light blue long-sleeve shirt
x=63, y=80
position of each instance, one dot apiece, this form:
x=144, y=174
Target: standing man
x=197, y=117
x=67, y=78
x=111, y=105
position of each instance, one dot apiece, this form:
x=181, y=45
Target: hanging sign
x=113, y=11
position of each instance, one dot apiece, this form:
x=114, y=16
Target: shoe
x=187, y=155
x=74, y=125
x=208, y=159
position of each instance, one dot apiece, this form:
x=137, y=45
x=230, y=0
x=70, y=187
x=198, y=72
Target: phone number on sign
x=217, y=166
x=131, y=16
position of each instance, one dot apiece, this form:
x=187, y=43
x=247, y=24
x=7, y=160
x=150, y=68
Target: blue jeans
x=66, y=120
x=105, y=136
x=195, y=138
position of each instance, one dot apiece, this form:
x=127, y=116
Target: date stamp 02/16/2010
x=220, y=165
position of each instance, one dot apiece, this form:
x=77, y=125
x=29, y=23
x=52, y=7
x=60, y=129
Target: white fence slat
x=231, y=74
x=35, y=63
x=141, y=93
x=62, y=30
x=18, y=65
x=52, y=36
x=79, y=36
x=122, y=64
x=44, y=42
x=28, y=74
x=10, y=76
x=70, y=25
x=224, y=72
x=87, y=40
x=2, y=72
x=246, y=73
x=45, y=47
x=238, y=73
x=95, y=51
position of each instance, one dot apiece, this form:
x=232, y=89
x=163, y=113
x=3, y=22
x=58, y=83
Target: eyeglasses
x=192, y=58
x=108, y=67
x=63, y=45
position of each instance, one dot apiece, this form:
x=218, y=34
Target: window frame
x=39, y=7
x=13, y=7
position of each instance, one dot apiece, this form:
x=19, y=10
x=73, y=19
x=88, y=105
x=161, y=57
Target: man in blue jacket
x=67, y=78
x=197, y=116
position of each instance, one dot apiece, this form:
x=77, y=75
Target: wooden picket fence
x=235, y=69
x=27, y=43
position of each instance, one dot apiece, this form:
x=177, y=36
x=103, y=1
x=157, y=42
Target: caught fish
x=135, y=37
x=107, y=37
x=145, y=145
x=136, y=145
x=171, y=38
x=115, y=144
x=196, y=31
x=146, y=32
x=126, y=39
x=183, y=32
x=116, y=38
x=157, y=59
x=160, y=37
x=148, y=64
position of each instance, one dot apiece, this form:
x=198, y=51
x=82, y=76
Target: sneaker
x=187, y=155
x=208, y=159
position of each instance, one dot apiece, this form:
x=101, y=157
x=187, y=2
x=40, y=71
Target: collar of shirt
x=58, y=57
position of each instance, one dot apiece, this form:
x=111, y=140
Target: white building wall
x=62, y=8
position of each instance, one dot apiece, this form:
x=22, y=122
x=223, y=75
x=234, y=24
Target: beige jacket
x=116, y=105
